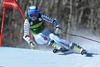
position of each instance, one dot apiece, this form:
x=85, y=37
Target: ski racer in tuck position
x=43, y=35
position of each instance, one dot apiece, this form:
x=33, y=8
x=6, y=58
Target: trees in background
x=71, y=14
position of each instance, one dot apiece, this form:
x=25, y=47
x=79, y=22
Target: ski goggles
x=33, y=15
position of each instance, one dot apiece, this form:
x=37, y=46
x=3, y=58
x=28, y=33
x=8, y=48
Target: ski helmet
x=32, y=10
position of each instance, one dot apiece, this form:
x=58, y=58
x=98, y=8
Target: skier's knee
x=53, y=37
x=51, y=42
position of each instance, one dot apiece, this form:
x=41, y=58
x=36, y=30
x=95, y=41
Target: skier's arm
x=26, y=28
x=26, y=36
x=49, y=19
x=53, y=21
x=26, y=31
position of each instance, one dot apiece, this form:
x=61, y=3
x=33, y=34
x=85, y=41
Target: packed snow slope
x=18, y=57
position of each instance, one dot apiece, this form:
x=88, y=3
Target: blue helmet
x=32, y=10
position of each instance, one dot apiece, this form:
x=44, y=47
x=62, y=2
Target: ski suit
x=35, y=24
x=42, y=34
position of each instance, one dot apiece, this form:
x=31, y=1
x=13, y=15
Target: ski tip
x=89, y=55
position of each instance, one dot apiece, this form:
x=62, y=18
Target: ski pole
x=84, y=37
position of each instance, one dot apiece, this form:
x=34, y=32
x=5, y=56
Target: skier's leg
x=49, y=41
x=54, y=44
x=41, y=39
x=67, y=44
x=62, y=42
x=78, y=49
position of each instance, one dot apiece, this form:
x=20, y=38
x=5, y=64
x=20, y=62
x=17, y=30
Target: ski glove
x=58, y=30
x=27, y=38
x=32, y=44
x=55, y=22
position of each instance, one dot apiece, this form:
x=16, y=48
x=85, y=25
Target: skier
x=42, y=34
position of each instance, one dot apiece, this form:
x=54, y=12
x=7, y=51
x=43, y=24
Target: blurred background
x=80, y=17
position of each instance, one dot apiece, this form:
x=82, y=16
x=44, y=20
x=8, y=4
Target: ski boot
x=78, y=49
x=56, y=46
x=83, y=52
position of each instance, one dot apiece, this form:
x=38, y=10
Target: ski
x=90, y=54
x=60, y=50
x=63, y=51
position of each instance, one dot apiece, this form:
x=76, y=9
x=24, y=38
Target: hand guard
x=58, y=30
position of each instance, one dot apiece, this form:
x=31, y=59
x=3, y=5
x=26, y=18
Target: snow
x=18, y=57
